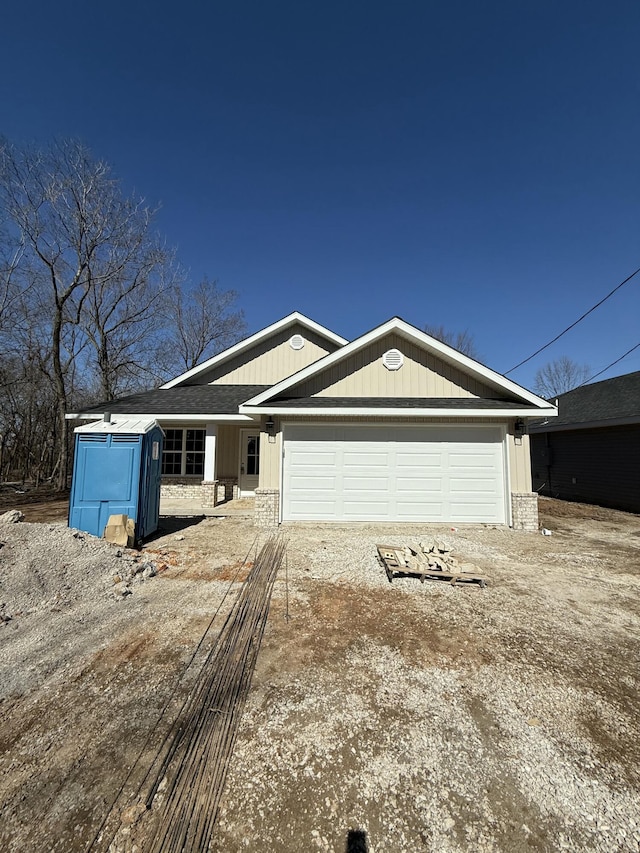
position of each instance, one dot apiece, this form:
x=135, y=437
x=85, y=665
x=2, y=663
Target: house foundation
x=524, y=511
x=181, y=488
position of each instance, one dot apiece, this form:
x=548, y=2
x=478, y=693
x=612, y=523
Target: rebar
x=196, y=763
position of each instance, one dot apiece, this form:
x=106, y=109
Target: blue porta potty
x=116, y=469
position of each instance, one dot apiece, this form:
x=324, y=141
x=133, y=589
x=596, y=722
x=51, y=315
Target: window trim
x=183, y=452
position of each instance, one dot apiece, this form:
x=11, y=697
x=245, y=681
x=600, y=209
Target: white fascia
x=236, y=349
x=400, y=413
x=240, y=418
x=410, y=333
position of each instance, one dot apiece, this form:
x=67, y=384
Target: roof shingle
x=182, y=400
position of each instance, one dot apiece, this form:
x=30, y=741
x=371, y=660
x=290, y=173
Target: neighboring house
x=591, y=451
x=393, y=426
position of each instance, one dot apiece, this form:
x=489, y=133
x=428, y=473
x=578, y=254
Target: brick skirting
x=188, y=488
x=524, y=511
x=267, y=508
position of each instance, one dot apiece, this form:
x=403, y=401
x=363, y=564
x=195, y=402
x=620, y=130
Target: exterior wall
x=524, y=511
x=267, y=513
x=519, y=463
x=270, y=457
x=598, y=466
x=185, y=488
x=224, y=487
x=227, y=449
x=422, y=375
x=270, y=361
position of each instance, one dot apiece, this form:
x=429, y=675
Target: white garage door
x=394, y=473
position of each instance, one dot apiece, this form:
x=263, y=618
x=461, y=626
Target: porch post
x=210, y=453
x=209, y=483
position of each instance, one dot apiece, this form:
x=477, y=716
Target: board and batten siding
x=518, y=454
x=597, y=466
x=269, y=361
x=227, y=450
x=422, y=375
x=519, y=462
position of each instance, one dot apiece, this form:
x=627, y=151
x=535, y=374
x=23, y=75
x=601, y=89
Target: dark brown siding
x=598, y=466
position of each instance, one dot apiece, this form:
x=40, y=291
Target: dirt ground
x=383, y=716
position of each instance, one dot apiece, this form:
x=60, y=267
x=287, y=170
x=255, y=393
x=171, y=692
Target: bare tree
x=202, y=322
x=84, y=257
x=560, y=376
x=462, y=341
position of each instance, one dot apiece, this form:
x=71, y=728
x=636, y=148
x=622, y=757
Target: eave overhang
x=173, y=417
x=393, y=412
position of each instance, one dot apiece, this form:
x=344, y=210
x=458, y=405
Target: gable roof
x=247, y=343
x=273, y=396
x=607, y=403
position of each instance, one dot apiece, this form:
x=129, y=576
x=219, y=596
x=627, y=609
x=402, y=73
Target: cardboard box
x=120, y=530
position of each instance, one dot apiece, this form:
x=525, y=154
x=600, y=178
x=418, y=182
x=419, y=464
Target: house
x=591, y=451
x=392, y=426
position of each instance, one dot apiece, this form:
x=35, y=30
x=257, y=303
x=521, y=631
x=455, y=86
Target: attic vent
x=393, y=359
x=296, y=342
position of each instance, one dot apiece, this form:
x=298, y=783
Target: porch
x=234, y=508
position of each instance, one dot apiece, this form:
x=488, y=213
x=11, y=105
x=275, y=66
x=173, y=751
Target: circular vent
x=296, y=342
x=393, y=359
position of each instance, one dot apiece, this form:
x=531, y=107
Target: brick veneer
x=524, y=511
x=188, y=488
x=267, y=512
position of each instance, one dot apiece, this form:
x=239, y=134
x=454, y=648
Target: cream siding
x=422, y=375
x=270, y=456
x=270, y=360
x=227, y=450
x=519, y=463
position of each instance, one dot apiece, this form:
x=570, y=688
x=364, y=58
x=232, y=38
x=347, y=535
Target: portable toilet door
x=149, y=502
x=109, y=475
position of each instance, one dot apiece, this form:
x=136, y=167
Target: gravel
x=423, y=716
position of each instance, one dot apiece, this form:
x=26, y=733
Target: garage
x=394, y=473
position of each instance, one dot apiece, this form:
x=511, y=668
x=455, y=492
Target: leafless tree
x=462, y=341
x=85, y=263
x=559, y=376
x=203, y=322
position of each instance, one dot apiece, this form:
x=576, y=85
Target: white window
x=183, y=452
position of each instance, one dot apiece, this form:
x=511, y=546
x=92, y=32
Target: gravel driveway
x=415, y=716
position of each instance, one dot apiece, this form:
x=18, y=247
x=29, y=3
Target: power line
x=604, y=369
x=579, y=320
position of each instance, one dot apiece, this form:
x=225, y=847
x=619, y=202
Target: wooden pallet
x=393, y=562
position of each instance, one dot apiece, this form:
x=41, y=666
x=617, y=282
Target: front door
x=249, y=462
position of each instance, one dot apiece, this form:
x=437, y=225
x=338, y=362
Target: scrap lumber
x=429, y=561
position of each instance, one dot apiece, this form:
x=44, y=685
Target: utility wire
x=604, y=369
x=579, y=320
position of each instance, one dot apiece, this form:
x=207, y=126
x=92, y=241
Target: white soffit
x=245, y=344
x=410, y=333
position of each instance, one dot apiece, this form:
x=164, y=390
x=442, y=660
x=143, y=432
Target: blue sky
x=462, y=163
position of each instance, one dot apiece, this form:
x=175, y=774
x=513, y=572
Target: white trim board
x=391, y=413
x=179, y=418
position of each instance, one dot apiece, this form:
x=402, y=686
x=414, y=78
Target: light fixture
x=519, y=428
x=270, y=425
